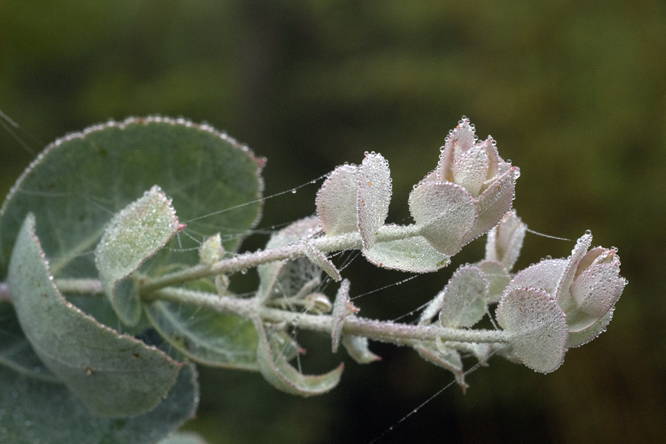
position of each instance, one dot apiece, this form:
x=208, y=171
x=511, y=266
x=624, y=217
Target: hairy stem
x=347, y=241
x=385, y=331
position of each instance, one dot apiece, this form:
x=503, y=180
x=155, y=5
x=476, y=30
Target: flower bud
x=467, y=195
x=211, y=250
x=586, y=285
x=506, y=240
x=318, y=303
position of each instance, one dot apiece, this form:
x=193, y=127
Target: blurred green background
x=574, y=93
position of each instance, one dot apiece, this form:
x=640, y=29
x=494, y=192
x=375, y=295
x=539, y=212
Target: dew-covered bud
x=318, y=303
x=503, y=247
x=467, y=195
x=506, y=240
x=585, y=287
x=211, y=250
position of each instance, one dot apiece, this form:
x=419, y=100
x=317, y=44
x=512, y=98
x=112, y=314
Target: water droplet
x=588, y=232
x=293, y=191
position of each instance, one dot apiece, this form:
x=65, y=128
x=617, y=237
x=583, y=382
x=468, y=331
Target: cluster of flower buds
x=467, y=194
x=545, y=309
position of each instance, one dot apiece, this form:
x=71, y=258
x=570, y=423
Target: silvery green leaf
x=39, y=412
x=562, y=294
x=457, y=142
x=577, y=339
x=211, y=250
x=357, y=347
x=537, y=326
x=336, y=201
x=498, y=279
x=113, y=375
x=207, y=337
x=106, y=167
x=342, y=307
x=470, y=170
x=445, y=211
x=319, y=259
x=374, y=197
x=544, y=275
x=134, y=234
x=595, y=291
x=432, y=309
x=464, y=301
x=506, y=240
x=493, y=203
x=413, y=254
x=448, y=359
x=275, y=368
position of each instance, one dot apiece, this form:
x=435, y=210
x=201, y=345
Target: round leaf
x=374, y=196
x=537, y=325
x=413, y=254
x=38, y=412
x=464, y=301
x=76, y=185
x=133, y=235
x=207, y=337
x=336, y=201
x=113, y=375
x=445, y=211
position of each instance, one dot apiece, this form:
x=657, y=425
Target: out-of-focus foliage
x=573, y=92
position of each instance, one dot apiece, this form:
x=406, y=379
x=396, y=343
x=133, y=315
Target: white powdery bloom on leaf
x=466, y=195
x=584, y=287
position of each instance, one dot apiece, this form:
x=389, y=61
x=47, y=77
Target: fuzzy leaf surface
x=412, y=254
x=106, y=167
x=134, y=234
x=464, y=302
x=374, y=196
x=37, y=412
x=15, y=350
x=336, y=201
x=206, y=337
x=538, y=326
x=113, y=375
x=280, y=374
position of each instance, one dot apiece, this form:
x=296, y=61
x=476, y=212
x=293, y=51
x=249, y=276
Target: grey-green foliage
x=79, y=182
x=38, y=412
x=68, y=374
